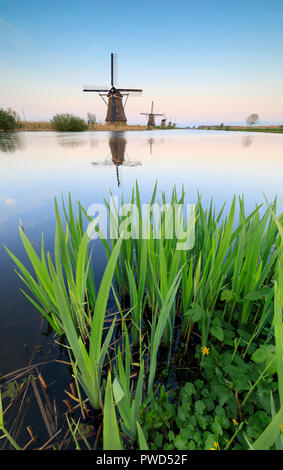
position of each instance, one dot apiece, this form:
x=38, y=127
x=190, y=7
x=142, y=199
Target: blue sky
x=209, y=61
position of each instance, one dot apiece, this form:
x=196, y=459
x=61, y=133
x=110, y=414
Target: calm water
x=37, y=166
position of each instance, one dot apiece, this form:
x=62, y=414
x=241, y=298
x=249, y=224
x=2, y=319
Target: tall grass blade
x=111, y=433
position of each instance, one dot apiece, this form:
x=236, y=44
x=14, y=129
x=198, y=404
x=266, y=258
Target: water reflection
x=70, y=141
x=151, y=142
x=247, y=140
x=213, y=163
x=93, y=143
x=10, y=142
x=117, y=144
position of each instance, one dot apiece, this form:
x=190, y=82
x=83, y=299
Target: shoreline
x=270, y=130
x=39, y=126
x=42, y=126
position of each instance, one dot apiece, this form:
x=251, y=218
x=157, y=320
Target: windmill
x=151, y=115
x=115, y=106
x=163, y=121
x=117, y=144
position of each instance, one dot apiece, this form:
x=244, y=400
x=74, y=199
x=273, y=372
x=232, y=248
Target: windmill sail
x=151, y=116
x=115, y=106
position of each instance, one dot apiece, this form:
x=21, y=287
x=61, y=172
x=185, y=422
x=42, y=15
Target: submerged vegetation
x=192, y=356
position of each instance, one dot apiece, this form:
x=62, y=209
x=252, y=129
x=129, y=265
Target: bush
x=9, y=119
x=68, y=122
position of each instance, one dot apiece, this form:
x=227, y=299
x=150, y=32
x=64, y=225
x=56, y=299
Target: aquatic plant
x=61, y=289
x=220, y=291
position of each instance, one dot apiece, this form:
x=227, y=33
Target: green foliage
x=111, y=434
x=208, y=309
x=206, y=411
x=9, y=119
x=68, y=122
x=61, y=288
x=128, y=402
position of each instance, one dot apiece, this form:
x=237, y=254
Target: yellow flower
x=216, y=446
x=205, y=350
x=281, y=427
x=235, y=422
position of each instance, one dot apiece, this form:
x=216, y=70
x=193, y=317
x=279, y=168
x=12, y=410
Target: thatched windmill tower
x=115, y=105
x=151, y=116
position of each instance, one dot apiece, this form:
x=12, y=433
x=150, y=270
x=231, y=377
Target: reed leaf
x=111, y=433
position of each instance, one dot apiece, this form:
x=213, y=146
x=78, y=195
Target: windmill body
x=115, y=106
x=151, y=116
x=163, y=121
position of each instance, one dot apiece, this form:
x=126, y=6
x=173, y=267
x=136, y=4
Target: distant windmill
x=117, y=144
x=151, y=115
x=163, y=121
x=115, y=107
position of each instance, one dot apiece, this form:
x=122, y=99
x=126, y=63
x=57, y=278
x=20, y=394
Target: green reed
x=273, y=433
x=61, y=289
x=231, y=267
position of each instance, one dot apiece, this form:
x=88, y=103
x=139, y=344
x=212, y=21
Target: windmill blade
x=97, y=88
x=145, y=114
x=114, y=74
x=155, y=114
x=126, y=90
x=133, y=94
x=152, y=107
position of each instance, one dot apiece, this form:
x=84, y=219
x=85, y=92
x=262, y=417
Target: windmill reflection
x=151, y=142
x=70, y=141
x=117, y=143
x=117, y=146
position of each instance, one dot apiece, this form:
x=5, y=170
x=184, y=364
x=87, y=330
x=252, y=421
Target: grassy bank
x=46, y=126
x=268, y=129
x=176, y=349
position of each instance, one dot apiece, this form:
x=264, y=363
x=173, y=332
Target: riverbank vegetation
x=176, y=349
x=65, y=122
x=9, y=120
x=24, y=126
x=268, y=129
x=97, y=126
x=68, y=123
